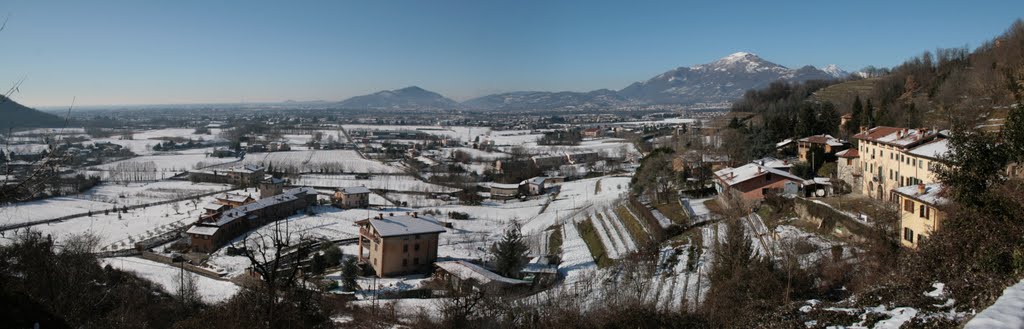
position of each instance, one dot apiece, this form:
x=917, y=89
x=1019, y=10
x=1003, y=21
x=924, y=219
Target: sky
x=102, y=52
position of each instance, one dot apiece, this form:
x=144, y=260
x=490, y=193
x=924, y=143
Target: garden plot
x=403, y=183
x=314, y=161
x=574, y=198
x=613, y=234
x=140, y=193
x=155, y=167
x=327, y=223
x=167, y=276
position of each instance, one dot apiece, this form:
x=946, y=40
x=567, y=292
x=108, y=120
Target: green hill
x=842, y=94
x=17, y=116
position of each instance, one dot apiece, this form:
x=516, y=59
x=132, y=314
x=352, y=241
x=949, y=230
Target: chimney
x=380, y=216
x=920, y=189
x=391, y=214
x=863, y=129
x=415, y=214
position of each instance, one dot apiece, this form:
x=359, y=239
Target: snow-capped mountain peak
x=835, y=71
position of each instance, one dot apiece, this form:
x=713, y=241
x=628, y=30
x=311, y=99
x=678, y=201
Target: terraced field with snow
x=675, y=286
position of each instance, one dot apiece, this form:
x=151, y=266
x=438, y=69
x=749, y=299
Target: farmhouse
x=464, y=276
x=919, y=212
x=212, y=232
x=352, y=197
x=535, y=186
x=247, y=175
x=504, y=191
x=752, y=181
x=398, y=245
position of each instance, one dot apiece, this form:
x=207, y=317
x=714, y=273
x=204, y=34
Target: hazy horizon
x=112, y=53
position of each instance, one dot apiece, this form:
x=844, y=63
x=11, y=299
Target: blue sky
x=149, y=52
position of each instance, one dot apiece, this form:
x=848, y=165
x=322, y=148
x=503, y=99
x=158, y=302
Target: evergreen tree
x=349, y=272
x=828, y=119
x=867, y=119
x=806, y=121
x=509, y=253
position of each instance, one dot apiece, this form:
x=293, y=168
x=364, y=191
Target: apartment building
x=919, y=212
x=893, y=157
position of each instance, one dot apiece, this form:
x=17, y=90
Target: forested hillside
x=19, y=116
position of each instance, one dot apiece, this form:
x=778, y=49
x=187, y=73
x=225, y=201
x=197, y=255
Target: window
x=405, y=248
x=417, y=237
x=908, y=205
x=405, y=262
x=920, y=238
x=908, y=234
x=768, y=177
x=416, y=261
x=924, y=211
x=416, y=247
x=849, y=162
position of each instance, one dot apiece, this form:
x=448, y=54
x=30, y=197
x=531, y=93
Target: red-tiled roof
x=848, y=153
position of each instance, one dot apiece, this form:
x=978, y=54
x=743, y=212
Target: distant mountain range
x=723, y=80
x=405, y=98
x=18, y=116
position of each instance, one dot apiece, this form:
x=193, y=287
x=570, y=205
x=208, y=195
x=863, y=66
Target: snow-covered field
x=477, y=155
x=166, y=165
x=316, y=160
x=381, y=182
x=168, y=277
x=48, y=208
x=455, y=132
x=139, y=193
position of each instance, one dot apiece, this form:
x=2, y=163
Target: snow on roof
x=822, y=139
x=466, y=271
x=896, y=136
x=243, y=210
x=233, y=197
x=354, y=190
x=784, y=142
x=504, y=186
x=933, y=150
x=773, y=162
x=733, y=176
x=539, y=180
x=932, y=193
x=202, y=230
x=404, y=225
x=213, y=206
x=848, y=153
